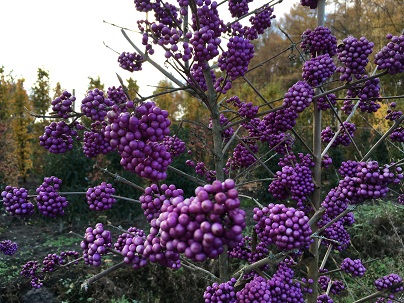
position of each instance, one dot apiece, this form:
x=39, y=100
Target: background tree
x=95, y=83
x=21, y=122
x=40, y=92
x=133, y=88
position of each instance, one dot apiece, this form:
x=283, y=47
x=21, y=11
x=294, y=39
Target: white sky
x=66, y=38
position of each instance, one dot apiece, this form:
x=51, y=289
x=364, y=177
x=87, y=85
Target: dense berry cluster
x=397, y=135
x=15, y=201
x=393, y=282
x=260, y=22
x=8, y=247
x=238, y=8
x=95, y=105
x=49, y=202
x=353, y=267
x=130, y=61
x=241, y=156
x=318, y=69
x=335, y=234
x=285, y=227
x=323, y=104
x=295, y=179
x=174, y=145
x=62, y=105
x=245, y=250
x=154, y=197
x=391, y=56
x=236, y=59
x=324, y=298
x=319, y=41
x=310, y=3
x=131, y=246
x=343, y=137
x=200, y=226
x=138, y=138
x=298, y=97
x=224, y=292
x=100, y=197
x=353, y=53
x=58, y=137
x=95, y=243
x=94, y=141
x=280, y=288
x=392, y=113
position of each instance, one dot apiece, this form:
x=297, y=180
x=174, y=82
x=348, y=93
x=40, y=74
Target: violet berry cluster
x=130, y=61
x=95, y=105
x=353, y=53
x=16, y=201
x=101, y=197
x=58, y=137
x=154, y=197
x=391, y=56
x=353, y=267
x=8, y=247
x=95, y=243
x=49, y=202
x=62, y=105
x=285, y=227
x=131, y=246
x=318, y=69
x=344, y=136
x=223, y=292
x=319, y=41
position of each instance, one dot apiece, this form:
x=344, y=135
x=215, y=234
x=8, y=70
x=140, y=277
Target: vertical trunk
x=313, y=266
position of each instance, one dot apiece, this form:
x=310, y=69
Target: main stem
x=218, y=157
x=312, y=267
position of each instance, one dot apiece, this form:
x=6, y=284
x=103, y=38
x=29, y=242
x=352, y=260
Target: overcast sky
x=66, y=38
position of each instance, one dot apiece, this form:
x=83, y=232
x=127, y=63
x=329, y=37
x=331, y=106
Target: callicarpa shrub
x=302, y=224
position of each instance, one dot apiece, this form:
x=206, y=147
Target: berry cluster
x=343, y=137
x=15, y=201
x=130, y=244
x=323, y=104
x=260, y=22
x=95, y=106
x=393, y=282
x=130, y=61
x=174, y=145
x=324, y=298
x=154, y=197
x=280, y=288
x=319, y=41
x=138, y=138
x=49, y=202
x=393, y=114
x=58, y=137
x=238, y=8
x=391, y=56
x=242, y=157
x=285, y=227
x=33, y=270
x=94, y=141
x=397, y=135
x=353, y=53
x=298, y=97
x=235, y=60
x=310, y=3
x=8, y=247
x=295, y=179
x=62, y=105
x=200, y=226
x=353, y=267
x=95, y=243
x=318, y=69
x=223, y=292
x=100, y=197
x=245, y=251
